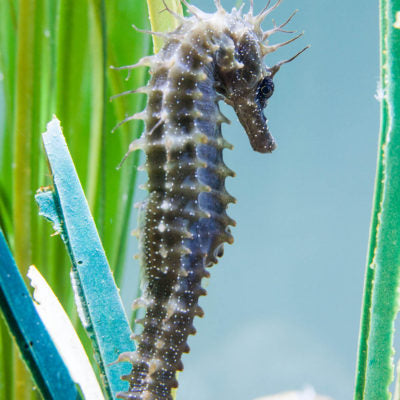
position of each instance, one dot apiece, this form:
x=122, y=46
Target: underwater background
x=283, y=304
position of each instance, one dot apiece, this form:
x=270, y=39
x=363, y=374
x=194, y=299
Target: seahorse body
x=208, y=58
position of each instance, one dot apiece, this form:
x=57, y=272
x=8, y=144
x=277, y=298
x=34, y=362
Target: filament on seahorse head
x=184, y=223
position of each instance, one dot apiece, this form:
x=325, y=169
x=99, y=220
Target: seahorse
x=208, y=58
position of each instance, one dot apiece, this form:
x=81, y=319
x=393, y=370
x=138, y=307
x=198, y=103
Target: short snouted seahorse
x=209, y=57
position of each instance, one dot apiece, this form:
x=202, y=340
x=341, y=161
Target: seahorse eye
x=265, y=90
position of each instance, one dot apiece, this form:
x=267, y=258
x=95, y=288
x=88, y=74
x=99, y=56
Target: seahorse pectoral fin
x=253, y=120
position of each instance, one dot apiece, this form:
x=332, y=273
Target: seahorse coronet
x=183, y=224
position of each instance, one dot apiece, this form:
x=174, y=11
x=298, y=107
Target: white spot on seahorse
x=164, y=269
x=163, y=252
x=162, y=227
x=165, y=205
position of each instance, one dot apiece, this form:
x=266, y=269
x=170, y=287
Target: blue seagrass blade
x=36, y=346
x=103, y=315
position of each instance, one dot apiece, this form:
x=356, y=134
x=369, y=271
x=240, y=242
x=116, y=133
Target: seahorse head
x=243, y=78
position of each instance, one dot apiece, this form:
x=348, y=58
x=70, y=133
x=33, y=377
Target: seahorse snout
x=253, y=120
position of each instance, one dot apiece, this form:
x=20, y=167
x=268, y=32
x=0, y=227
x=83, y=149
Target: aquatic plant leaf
x=375, y=369
x=64, y=336
x=102, y=312
x=37, y=348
